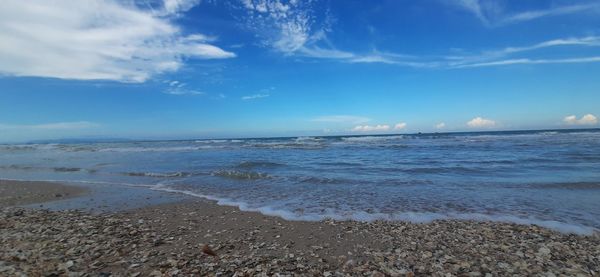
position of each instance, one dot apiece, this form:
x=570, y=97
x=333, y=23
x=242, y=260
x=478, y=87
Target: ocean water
x=548, y=178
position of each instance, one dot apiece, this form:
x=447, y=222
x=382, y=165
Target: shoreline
x=167, y=238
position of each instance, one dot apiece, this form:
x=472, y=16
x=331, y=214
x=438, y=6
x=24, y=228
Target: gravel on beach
x=168, y=240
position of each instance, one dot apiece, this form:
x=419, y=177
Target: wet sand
x=167, y=240
x=14, y=193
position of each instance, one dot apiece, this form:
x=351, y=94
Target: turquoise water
x=549, y=178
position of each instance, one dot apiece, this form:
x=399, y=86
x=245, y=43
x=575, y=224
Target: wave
x=325, y=181
x=371, y=139
x=570, y=186
x=254, y=164
x=18, y=167
x=151, y=149
x=55, y=169
x=447, y=170
x=308, y=139
x=286, y=145
x=158, y=175
x=408, y=216
x=219, y=141
x=17, y=148
x=241, y=175
x=67, y=169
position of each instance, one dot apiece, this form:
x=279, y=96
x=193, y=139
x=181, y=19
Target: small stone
x=543, y=251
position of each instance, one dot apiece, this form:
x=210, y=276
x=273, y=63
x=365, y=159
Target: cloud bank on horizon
x=193, y=50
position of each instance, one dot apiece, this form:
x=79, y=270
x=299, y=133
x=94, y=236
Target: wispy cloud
x=563, y=10
x=371, y=128
x=530, y=61
x=491, y=14
x=350, y=119
x=440, y=125
x=51, y=126
x=286, y=26
x=97, y=40
x=297, y=28
x=254, y=96
x=293, y=29
x=179, y=88
x=504, y=56
x=588, y=119
x=480, y=122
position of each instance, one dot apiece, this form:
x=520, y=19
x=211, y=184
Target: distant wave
x=575, y=186
x=151, y=149
x=17, y=167
x=220, y=141
x=308, y=139
x=67, y=169
x=241, y=175
x=286, y=145
x=371, y=139
x=447, y=169
x=548, y=133
x=17, y=148
x=158, y=175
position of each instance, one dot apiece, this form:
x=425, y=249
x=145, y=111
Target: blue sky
x=192, y=69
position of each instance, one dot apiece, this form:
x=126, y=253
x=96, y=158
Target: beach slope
x=178, y=239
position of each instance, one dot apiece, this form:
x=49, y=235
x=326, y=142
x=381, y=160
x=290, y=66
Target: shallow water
x=550, y=178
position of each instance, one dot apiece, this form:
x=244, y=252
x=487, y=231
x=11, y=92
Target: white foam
x=414, y=217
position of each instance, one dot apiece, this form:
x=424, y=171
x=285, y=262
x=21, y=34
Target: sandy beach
x=168, y=239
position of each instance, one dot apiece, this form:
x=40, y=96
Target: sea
x=549, y=178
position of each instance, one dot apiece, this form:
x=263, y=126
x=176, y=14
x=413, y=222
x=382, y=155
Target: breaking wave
x=409, y=216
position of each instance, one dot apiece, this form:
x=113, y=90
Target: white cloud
x=50, y=126
x=255, y=96
x=369, y=128
x=588, y=119
x=342, y=119
x=480, y=122
x=400, y=126
x=177, y=6
x=96, y=40
x=440, y=125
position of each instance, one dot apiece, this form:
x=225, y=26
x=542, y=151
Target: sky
x=177, y=69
